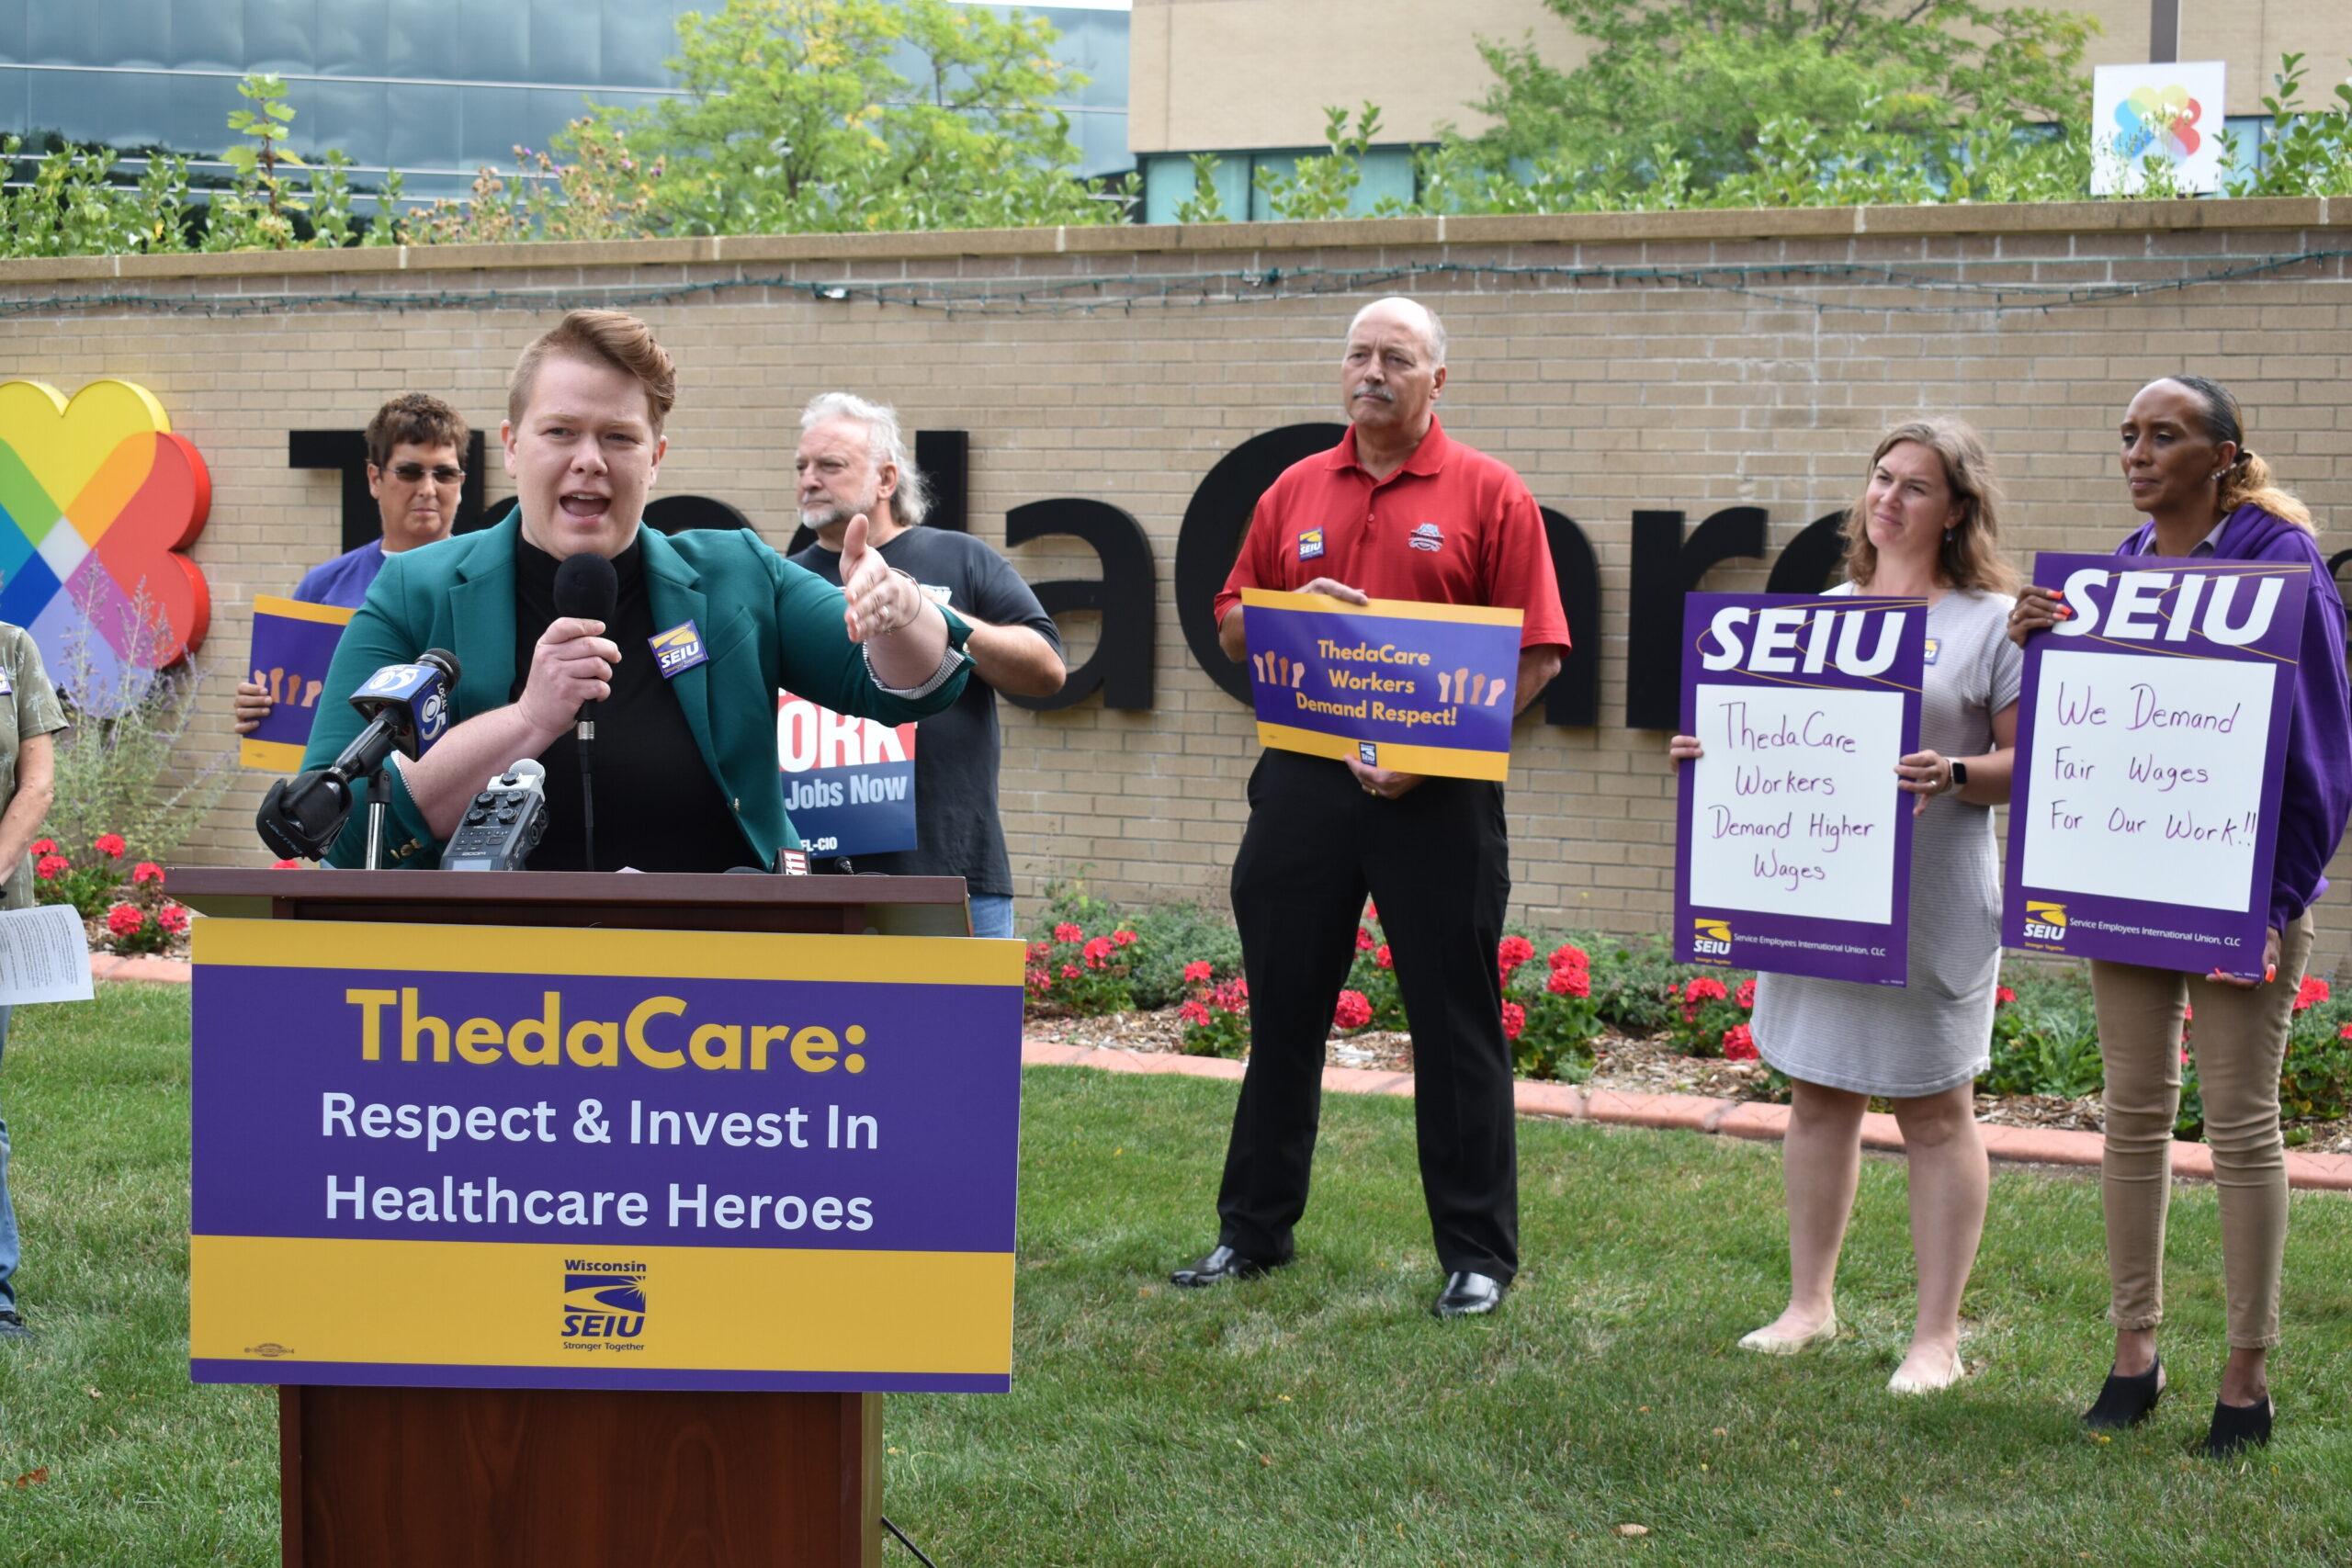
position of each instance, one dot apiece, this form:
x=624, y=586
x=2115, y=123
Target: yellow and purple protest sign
x=481, y=1157
x=293, y=644
x=1394, y=683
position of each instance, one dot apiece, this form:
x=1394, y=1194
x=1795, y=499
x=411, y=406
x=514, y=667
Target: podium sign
x=515, y=1157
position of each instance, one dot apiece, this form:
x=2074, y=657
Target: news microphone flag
x=294, y=642
x=1395, y=684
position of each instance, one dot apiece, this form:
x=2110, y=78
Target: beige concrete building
x=1686, y=361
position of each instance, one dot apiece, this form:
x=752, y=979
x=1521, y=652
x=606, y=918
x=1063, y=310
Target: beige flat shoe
x=1767, y=1343
x=1899, y=1383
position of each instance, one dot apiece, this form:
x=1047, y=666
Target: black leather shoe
x=13, y=1327
x=2126, y=1402
x=2236, y=1426
x=1221, y=1263
x=1469, y=1295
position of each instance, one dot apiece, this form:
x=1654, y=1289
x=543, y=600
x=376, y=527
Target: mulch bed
x=1624, y=1065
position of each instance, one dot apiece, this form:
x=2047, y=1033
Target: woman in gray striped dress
x=1926, y=527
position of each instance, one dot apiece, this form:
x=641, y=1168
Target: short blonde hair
x=602, y=337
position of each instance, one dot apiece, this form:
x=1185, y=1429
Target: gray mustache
x=1368, y=390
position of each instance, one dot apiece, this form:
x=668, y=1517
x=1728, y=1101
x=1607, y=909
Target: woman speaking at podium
x=1926, y=526
x=706, y=627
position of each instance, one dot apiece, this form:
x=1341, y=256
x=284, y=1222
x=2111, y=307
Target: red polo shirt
x=1451, y=527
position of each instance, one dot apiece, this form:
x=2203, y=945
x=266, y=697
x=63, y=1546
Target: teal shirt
x=766, y=623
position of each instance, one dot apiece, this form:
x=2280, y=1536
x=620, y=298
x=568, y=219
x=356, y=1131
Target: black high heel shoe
x=2237, y=1427
x=2127, y=1402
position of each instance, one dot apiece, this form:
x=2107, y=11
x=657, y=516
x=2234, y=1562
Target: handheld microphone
x=407, y=709
x=587, y=589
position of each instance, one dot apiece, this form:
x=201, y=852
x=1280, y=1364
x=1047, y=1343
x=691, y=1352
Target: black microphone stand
x=379, y=805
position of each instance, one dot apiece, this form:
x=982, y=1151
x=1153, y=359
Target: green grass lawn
x=1318, y=1417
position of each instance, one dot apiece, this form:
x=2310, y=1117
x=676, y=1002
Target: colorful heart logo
x=2158, y=119
x=99, y=504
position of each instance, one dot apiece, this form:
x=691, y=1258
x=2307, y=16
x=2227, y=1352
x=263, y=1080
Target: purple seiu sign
x=2152, y=744
x=293, y=644
x=1793, y=849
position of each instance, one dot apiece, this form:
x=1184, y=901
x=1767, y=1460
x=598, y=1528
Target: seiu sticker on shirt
x=678, y=650
x=1933, y=646
x=1310, y=544
x=849, y=784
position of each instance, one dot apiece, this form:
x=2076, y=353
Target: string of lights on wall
x=1771, y=283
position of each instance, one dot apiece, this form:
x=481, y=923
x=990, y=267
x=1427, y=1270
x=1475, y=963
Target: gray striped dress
x=1932, y=1034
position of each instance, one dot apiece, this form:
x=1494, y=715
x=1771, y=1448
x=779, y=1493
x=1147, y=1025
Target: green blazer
x=765, y=623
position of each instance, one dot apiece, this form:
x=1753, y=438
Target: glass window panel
x=14, y=87
x=278, y=35
x=564, y=42
x=638, y=39
x=1387, y=172
x=196, y=111
x=137, y=32
x=346, y=115
x=492, y=121
x=422, y=127
x=2250, y=134
x=89, y=106
x=493, y=38
x=351, y=37
x=59, y=35
x=15, y=25
x=206, y=35
x=1166, y=186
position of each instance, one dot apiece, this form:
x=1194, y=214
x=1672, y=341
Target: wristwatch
x=1959, y=775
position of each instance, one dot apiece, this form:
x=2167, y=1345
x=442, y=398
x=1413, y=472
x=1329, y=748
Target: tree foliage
x=798, y=120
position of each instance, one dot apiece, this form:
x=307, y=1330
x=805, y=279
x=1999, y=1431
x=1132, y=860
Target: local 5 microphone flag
x=546, y=1159
x=2151, y=746
x=849, y=782
x=293, y=644
x=1793, y=849
x=1394, y=683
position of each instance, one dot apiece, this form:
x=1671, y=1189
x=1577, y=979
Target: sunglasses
x=412, y=473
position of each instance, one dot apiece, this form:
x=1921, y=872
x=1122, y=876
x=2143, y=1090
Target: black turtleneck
x=658, y=809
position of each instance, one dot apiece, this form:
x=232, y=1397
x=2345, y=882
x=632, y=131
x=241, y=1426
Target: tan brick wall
x=1686, y=377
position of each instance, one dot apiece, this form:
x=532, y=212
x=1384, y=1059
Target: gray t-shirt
x=28, y=708
x=955, y=753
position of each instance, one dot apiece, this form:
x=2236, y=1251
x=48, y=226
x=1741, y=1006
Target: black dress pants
x=1437, y=863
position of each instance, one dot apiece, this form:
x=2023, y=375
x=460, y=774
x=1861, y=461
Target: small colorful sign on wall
x=1413, y=687
x=99, y=504
x=2171, y=113
x=293, y=644
x=2152, y=749
x=483, y=1157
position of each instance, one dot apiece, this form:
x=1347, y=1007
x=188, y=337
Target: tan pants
x=2239, y=1038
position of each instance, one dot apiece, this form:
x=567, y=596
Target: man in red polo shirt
x=1396, y=511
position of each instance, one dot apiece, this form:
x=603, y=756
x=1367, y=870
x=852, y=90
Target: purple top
x=2316, y=797
x=343, y=580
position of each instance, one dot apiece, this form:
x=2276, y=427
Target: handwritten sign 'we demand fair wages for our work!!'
x=479, y=1156
x=1394, y=683
x=2151, y=746
x=1793, y=853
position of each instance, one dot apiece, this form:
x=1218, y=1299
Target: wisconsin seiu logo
x=602, y=1301
x=679, y=648
x=2044, y=922
x=1428, y=537
x=1310, y=544
x=1711, y=938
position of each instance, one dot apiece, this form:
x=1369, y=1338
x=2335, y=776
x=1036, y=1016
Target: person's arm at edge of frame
x=1015, y=659
x=36, y=788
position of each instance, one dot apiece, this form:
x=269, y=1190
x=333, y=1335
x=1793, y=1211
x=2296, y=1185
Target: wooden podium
x=378, y=1477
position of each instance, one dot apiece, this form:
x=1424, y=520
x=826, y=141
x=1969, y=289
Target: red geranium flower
x=1197, y=970
x=1569, y=983
x=1194, y=1014
x=1067, y=932
x=1123, y=937
x=145, y=872
x=1745, y=995
x=1568, y=955
x=44, y=847
x=1354, y=1011
x=1739, y=1045
x=1512, y=951
x=2312, y=990
x=1382, y=956
x=110, y=845
x=2003, y=997
x=286, y=865
x=50, y=867
x=1365, y=941
x=1514, y=1021
x=125, y=920
x=1371, y=911
x=1705, y=988
x=1069, y=971
x=2344, y=1033
x=1098, y=951
x=173, y=917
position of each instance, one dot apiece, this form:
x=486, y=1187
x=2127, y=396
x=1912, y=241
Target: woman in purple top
x=2207, y=494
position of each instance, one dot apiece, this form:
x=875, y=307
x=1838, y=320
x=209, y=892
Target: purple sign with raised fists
x=1794, y=853
x=2152, y=745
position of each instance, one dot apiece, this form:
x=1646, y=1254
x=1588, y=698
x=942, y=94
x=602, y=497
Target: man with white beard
x=854, y=462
